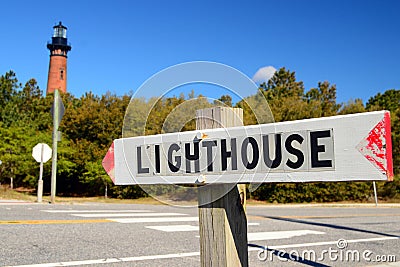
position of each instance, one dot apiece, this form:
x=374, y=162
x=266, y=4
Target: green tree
x=225, y=100
x=90, y=123
x=8, y=90
x=23, y=124
x=283, y=84
x=256, y=109
x=16, y=154
x=323, y=97
x=136, y=112
x=352, y=106
x=285, y=96
x=389, y=100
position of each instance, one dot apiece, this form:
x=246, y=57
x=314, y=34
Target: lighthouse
x=59, y=48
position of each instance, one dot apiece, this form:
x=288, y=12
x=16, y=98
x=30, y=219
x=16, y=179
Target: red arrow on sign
x=109, y=163
x=377, y=146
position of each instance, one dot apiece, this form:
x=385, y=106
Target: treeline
x=92, y=122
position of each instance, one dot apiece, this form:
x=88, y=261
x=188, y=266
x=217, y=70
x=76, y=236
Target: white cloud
x=263, y=74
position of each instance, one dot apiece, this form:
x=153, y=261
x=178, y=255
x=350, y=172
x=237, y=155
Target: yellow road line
x=54, y=221
x=253, y=217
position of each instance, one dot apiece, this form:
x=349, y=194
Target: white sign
x=41, y=152
x=339, y=148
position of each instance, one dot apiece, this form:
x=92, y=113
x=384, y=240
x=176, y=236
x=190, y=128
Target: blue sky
x=117, y=45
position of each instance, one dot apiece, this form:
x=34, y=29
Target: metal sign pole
x=55, y=140
x=375, y=194
x=40, y=184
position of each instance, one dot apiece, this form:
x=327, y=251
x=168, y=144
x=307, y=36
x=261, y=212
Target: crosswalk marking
x=97, y=215
x=323, y=243
x=180, y=228
x=139, y=216
x=93, y=211
x=158, y=219
x=174, y=228
x=280, y=234
x=152, y=258
x=113, y=260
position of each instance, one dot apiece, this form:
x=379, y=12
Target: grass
x=8, y=194
x=23, y=195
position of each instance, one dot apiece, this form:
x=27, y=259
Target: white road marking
x=328, y=243
x=174, y=228
x=113, y=260
x=280, y=234
x=388, y=264
x=249, y=223
x=149, y=220
x=191, y=254
x=92, y=211
x=97, y=215
x=180, y=228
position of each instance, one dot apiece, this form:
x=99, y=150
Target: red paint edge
x=108, y=162
x=388, y=137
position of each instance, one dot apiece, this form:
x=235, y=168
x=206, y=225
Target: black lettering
x=294, y=151
x=194, y=157
x=157, y=155
x=315, y=149
x=174, y=167
x=256, y=153
x=139, y=161
x=272, y=163
x=209, y=145
x=228, y=154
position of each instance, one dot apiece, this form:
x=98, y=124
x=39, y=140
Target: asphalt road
x=39, y=235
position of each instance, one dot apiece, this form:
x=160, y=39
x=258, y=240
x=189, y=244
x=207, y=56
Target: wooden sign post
x=222, y=220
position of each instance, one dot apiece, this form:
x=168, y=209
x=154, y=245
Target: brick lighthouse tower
x=59, y=48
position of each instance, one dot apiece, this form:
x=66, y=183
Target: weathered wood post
x=222, y=218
